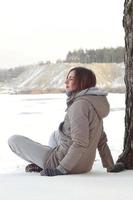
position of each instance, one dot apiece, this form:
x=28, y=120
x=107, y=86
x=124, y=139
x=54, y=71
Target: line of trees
x=105, y=55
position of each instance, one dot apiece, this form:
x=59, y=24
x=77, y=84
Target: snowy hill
x=50, y=77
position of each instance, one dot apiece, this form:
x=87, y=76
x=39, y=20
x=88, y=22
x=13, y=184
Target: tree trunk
x=127, y=155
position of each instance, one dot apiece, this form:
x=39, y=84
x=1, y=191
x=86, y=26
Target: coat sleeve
x=79, y=125
x=104, y=151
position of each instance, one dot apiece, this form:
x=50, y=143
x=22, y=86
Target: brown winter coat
x=81, y=134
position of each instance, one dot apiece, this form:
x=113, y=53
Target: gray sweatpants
x=29, y=150
x=32, y=151
x=54, y=139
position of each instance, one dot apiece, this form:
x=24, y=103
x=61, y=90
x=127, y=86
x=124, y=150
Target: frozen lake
x=36, y=116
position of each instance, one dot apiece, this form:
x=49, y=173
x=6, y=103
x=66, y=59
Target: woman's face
x=71, y=82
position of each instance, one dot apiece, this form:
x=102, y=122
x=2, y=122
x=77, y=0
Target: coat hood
x=97, y=98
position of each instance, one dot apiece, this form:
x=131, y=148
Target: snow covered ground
x=36, y=116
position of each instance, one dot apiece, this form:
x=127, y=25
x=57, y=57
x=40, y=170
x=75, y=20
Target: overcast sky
x=41, y=30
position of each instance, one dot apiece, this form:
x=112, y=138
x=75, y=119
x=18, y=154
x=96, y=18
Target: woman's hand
x=50, y=172
x=118, y=167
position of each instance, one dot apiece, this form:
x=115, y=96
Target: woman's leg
x=54, y=139
x=29, y=150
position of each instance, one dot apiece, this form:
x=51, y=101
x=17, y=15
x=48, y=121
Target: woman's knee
x=15, y=139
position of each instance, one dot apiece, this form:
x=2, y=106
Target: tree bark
x=127, y=155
